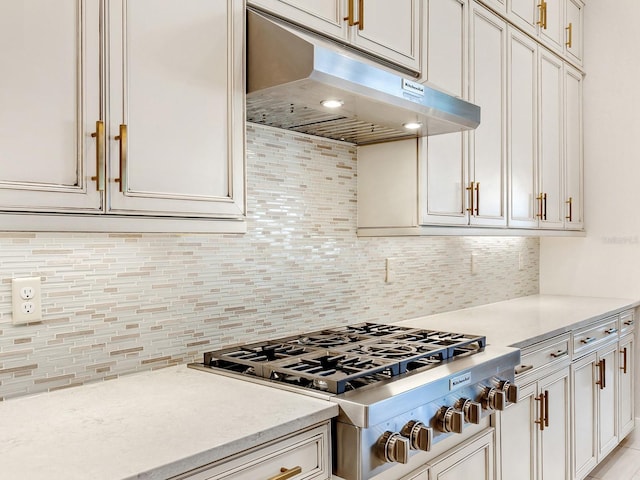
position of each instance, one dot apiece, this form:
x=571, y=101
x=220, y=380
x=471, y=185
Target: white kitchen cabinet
x=388, y=30
x=626, y=372
x=49, y=105
x=443, y=158
x=573, y=150
x=557, y=24
x=184, y=143
x=545, y=138
x=523, y=129
x=136, y=127
x=534, y=433
x=594, y=380
x=550, y=199
x=306, y=453
x=487, y=190
x=471, y=459
x=561, y=27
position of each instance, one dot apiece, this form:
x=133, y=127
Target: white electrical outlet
x=389, y=273
x=25, y=293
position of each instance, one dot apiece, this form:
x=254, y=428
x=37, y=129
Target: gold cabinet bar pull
x=569, y=30
x=350, y=16
x=603, y=381
x=360, y=21
x=477, y=198
x=122, y=138
x=570, y=203
x=539, y=199
x=544, y=209
x=544, y=9
x=99, y=136
x=624, y=360
x=546, y=408
x=541, y=14
x=541, y=417
x=470, y=189
x=287, y=473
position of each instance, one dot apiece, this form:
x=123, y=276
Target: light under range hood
x=291, y=73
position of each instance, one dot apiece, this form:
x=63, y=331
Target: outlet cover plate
x=26, y=310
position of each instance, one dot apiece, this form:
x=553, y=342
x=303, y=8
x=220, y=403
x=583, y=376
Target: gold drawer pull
x=624, y=360
x=611, y=330
x=523, y=368
x=287, y=473
x=560, y=353
x=588, y=340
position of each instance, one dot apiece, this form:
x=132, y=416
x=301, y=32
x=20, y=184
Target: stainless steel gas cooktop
x=400, y=389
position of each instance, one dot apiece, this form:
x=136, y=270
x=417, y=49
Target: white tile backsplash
x=119, y=303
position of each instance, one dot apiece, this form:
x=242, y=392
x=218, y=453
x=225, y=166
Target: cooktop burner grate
x=345, y=358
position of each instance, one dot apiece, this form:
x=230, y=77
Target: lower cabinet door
x=554, y=439
x=470, y=460
x=518, y=447
x=607, y=405
x=584, y=421
x=625, y=386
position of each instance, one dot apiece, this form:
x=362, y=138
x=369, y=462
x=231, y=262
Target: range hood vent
x=290, y=73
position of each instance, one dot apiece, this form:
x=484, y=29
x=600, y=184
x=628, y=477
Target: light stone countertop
x=148, y=425
x=526, y=320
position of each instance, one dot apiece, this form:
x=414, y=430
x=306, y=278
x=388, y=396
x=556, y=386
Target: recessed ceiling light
x=332, y=103
x=412, y=125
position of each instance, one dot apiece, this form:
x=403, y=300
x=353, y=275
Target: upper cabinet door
x=49, y=105
x=552, y=28
x=574, y=30
x=390, y=30
x=385, y=29
x=523, y=129
x=551, y=201
x=526, y=14
x=322, y=16
x=175, y=140
x=488, y=89
x=445, y=57
x=574, y=157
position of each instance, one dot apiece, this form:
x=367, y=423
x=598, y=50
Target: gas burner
x=324, y=340
x=389, y=350
x=334, y=372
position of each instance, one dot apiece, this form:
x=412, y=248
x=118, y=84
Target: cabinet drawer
x=627, y=320
x=544, y=353
x=591, y=337
x=307, y=451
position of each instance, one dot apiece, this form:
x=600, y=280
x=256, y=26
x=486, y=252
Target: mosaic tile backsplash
x=119, y=303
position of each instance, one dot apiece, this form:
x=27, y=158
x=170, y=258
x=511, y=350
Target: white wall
x=607, y=261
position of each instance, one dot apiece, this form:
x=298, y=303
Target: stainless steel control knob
x=494, y=399
x=393, y=447
x=420, y=436
x=450, y=420
x=510, y=390
x=472, y=410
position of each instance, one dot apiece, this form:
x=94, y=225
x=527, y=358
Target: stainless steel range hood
x=290, y=73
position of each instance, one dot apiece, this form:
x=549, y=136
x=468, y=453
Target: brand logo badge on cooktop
x=460, y=381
